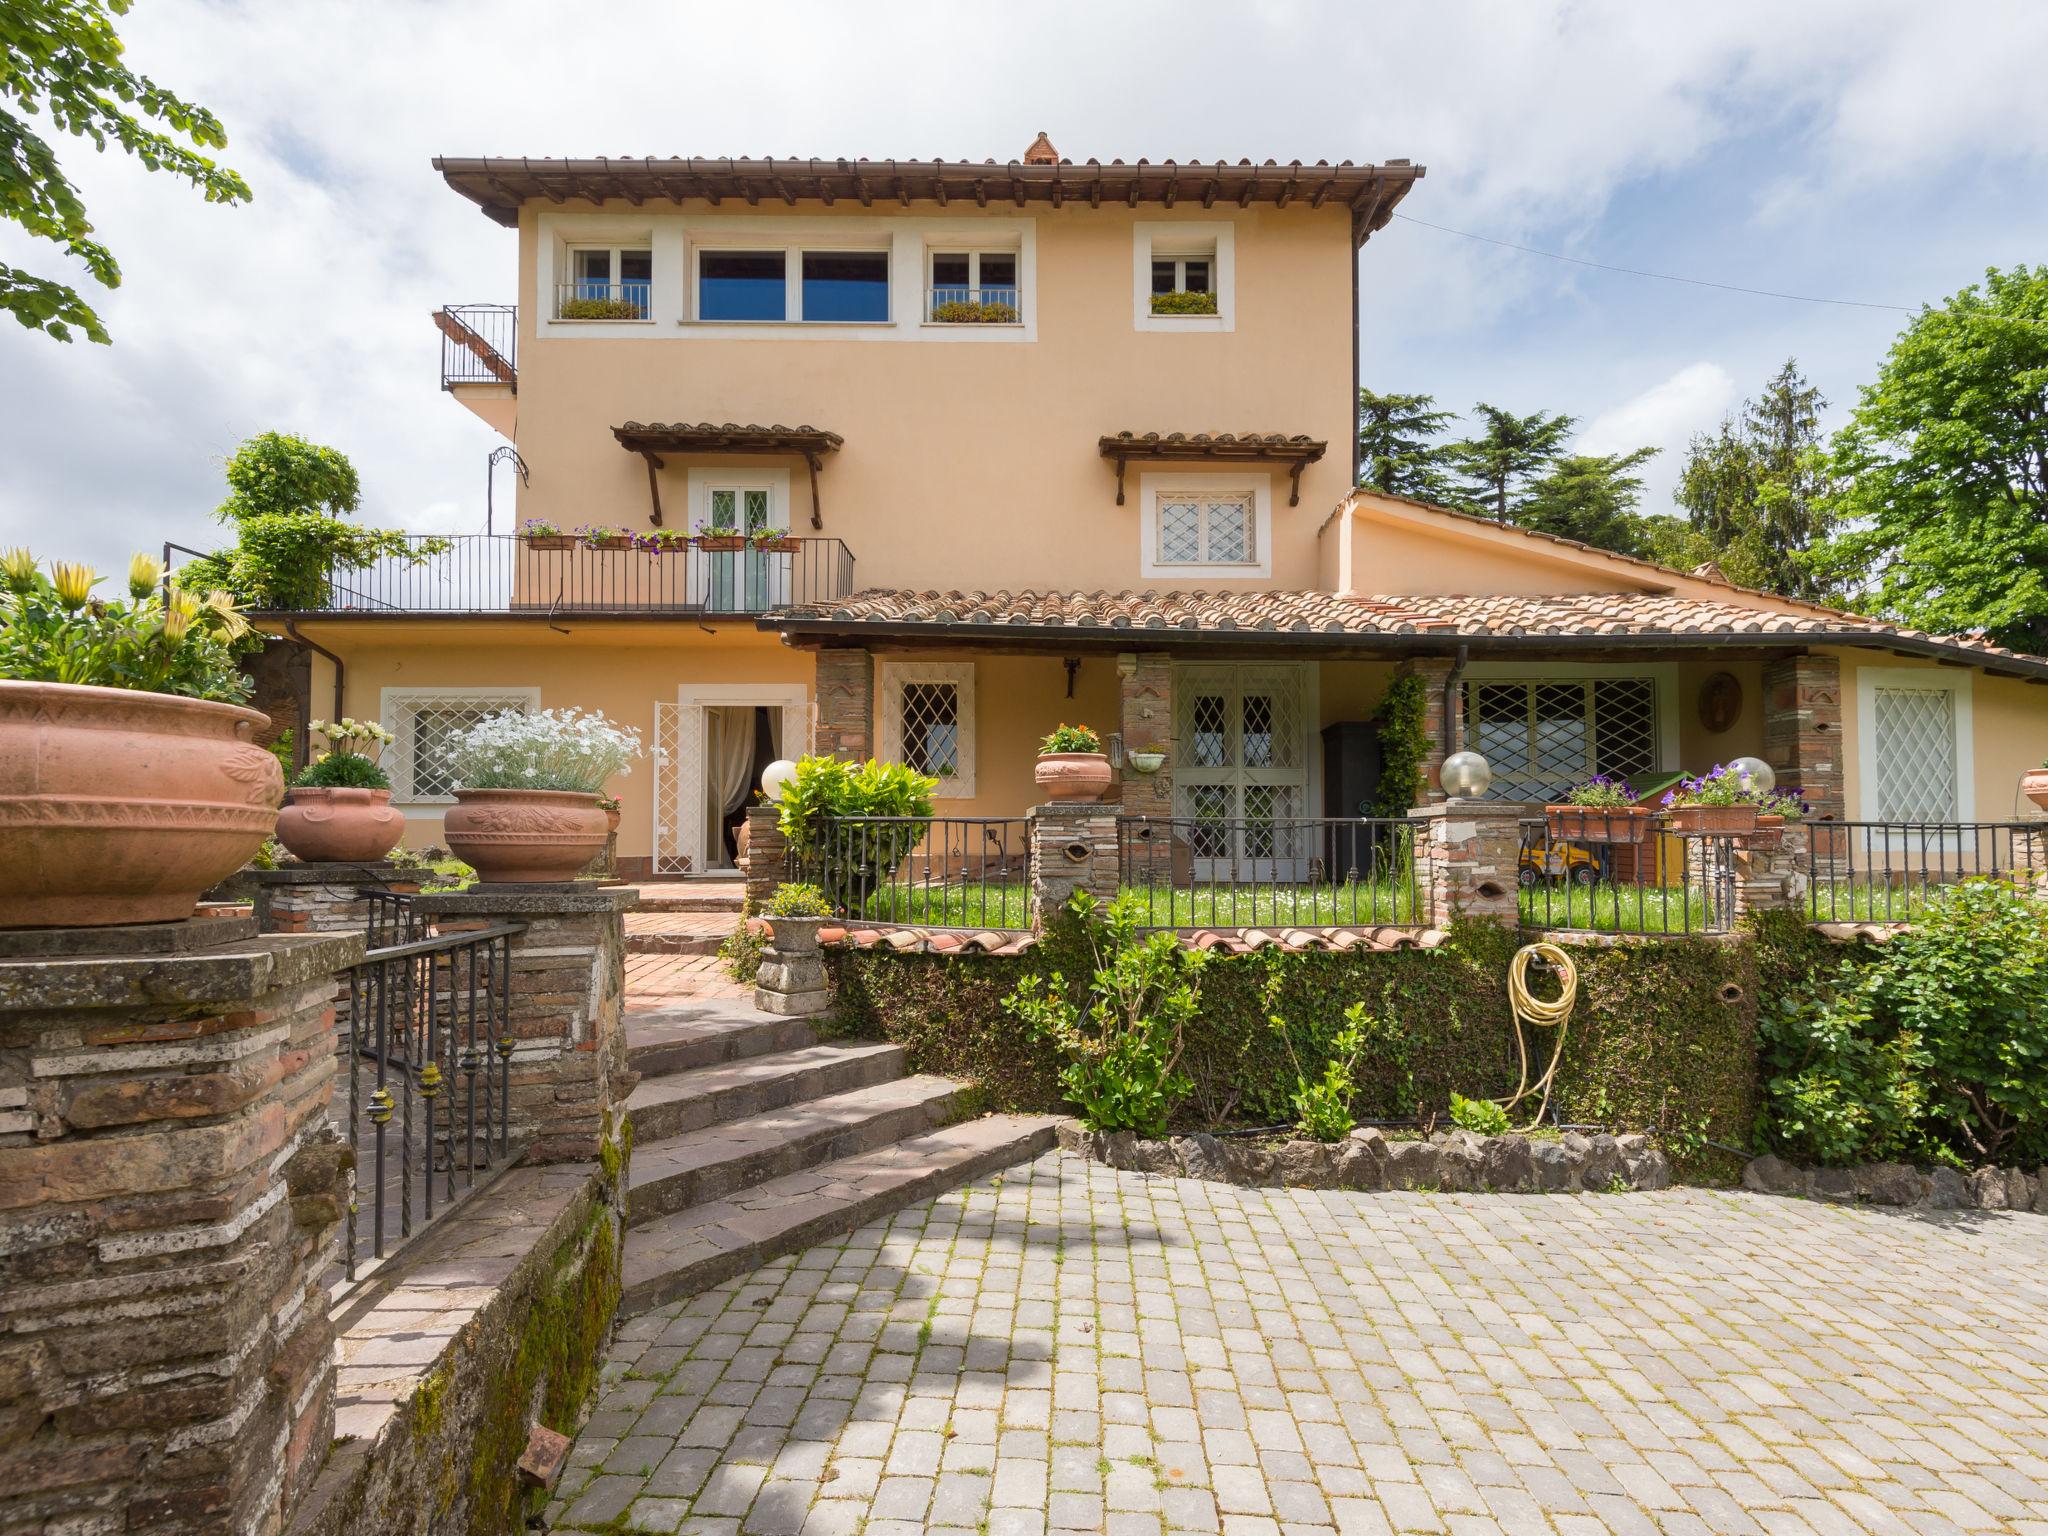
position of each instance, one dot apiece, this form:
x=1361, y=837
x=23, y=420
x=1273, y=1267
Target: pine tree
x=1397, y=449
x=1498, y=466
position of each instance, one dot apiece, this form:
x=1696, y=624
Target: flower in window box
x=1601, y=809
x=1183, y=303
x=543, y=534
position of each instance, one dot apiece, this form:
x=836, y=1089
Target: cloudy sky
x=1883, y=152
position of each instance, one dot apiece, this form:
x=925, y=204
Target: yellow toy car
x=1558, y=862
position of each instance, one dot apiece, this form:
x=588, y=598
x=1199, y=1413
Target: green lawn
x=974, y=905
x=1871, y=901
x=1609, y=908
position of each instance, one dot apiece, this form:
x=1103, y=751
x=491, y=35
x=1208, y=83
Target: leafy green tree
x=288, y=502
x=1497, y=466
x=1942, y=472
x=1755, y=490
x=1397, y=449
x=60, y=60
x=1592, y=498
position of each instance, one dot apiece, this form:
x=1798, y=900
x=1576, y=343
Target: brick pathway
x=1071, y=1348
x=662, y=981
x=692, y=923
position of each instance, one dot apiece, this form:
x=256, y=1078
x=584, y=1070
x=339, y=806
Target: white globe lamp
x=1762, y=777
x=1465, y=775
x=776, y=776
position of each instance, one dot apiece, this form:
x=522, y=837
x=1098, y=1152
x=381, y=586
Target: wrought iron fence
x=590, y=299
x=510, y=573
x=1617, y=872
x=988, y=305
x=479, y=344
x=1267, y=872
x=428, y=1064
x=392, y=918
x=965, y=872
x=1887, y=871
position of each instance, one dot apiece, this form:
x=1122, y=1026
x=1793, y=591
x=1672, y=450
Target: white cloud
x=1663, y=416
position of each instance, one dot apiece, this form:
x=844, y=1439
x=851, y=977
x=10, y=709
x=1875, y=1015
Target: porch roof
x=1203, y=447
x=1396, y=623
x=651, y=439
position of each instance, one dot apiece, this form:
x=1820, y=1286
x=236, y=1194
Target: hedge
x=1663, y=1039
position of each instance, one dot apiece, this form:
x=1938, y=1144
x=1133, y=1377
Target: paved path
x=1071, y=1348
x=663, y=981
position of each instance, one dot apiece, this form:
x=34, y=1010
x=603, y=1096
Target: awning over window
x=651, y=439
x=1223, y=447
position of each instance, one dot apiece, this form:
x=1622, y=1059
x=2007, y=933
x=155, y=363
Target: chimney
x=1041, y=151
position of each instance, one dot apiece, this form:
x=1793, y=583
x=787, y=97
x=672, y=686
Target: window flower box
x=1711, y=818
x=723, y=543
x=1598, y=823
x=1184, y=304
x=781, y=544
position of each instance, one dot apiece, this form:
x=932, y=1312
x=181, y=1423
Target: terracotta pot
x=1072, y=775
x=339, y=826
x=122, y=807
x=2034, y=785
x=1598, y=823
x=722, y=543
x=777, y=546
x=549, y=540
x=1770, y=831
x=1711, y=818
x=525, y=836
x=611, y=819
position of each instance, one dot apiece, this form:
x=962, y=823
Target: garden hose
x=1542, y=1013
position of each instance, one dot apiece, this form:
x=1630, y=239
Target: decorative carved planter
x=525, y=836
x=1598, y=823
x=122, y=807
x=1072, y=775
x=1710, y=818
x=2034, y=785
x=339, y=826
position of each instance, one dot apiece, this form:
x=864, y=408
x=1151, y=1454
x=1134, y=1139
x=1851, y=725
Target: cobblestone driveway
x=1071, y=1348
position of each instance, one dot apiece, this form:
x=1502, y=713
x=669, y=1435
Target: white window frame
x=973, y=249
x=897, y=676
x=1179, y=239
x=1153, y=488
x=793, y=249
x=570, y=246
x=705, y=480
x=1956, y=682
x=395, y=712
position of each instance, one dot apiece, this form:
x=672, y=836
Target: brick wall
x=846, y=704
x=1434, y=671
x=1803, y=728
x=1073, y=847
x=1145, y=682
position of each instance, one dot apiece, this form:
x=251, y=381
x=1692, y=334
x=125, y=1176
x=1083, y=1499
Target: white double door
x=1242, y=770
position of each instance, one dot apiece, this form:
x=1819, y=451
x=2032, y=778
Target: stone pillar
x=1073, y=847
x=791, y=978
x=567, y=993
x=1145, y=682
x=323, y=898
x=1468, y=855
x=171, y=1186
x=1771, y=871
x=1803, y=729
x=846, y=704
x=763, y=865
x=1435, y=672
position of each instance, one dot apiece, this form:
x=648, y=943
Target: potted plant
x=1722, y=800
x=2034, y=785
x=130, y=781
x=338, y=809
x=1072, y=764
x=603, y=536
x=1183, y=303
x=974, y=312
x=795, y=913
x=1599, y=810
x=540, y=533
x=527, y=792
x=719, y=537
x=1774, y=808
x=772, y=540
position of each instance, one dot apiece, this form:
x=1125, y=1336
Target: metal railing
x=429, y=1076
x=479, y=344
x=1613, y=872
x=966, y=872
x=1000, y=305
x=1252, y=872
x=578, y=299
x=511, y=573
x=1887, y=871
x=392, y=918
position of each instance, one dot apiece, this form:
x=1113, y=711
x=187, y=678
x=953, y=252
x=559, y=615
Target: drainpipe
x=1454, y=740
x=300, y=746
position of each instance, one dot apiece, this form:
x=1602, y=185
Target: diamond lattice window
x=1540, y=736
x=931, y=728
x=423, y=730
x=1180, y=533
x=1206, y=530
x=1206, y=739
x=1915, y=735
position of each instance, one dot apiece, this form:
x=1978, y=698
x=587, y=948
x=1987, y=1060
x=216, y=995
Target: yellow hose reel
x=1541, y=1013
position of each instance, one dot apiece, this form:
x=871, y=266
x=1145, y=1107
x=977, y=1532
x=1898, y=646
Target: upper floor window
x=1184, y=273
x=1206, y=529
x=973, y=288
x=607, y=282
x=846, y=285
x=742, y=285
x=831, y=285
x=1183, y=278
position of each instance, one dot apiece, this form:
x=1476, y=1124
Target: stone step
x=676, y=1256
x=708, y=1034
x=719, y=1160
x=674, y=943
x=681, y=898
x=670, y=1105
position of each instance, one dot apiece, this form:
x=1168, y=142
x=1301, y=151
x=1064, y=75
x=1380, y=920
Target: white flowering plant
x=548, y=749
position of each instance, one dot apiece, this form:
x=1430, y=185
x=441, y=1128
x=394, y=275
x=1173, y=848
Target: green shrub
x=1404, y=746
x=851, y=859
x=1121, y=1033
x=1482, y=1117
x=798, y=900
x=341, y=770
x=1183, y=303
x=1935, y=1050
x=969, y=312
x=1071, y=738
x=599, y=309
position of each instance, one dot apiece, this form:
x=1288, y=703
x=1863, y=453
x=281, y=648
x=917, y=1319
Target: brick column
x=1434, y=671
x=1771, y=871
x=1467, y=857
x=1073, y=847
x=567, y=992
x=767, y=851
x=170, y=1191
x=323, y=898
x=1146, y=686
x=846, y=704
x=1803, y=728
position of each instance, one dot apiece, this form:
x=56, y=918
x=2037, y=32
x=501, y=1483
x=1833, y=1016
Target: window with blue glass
x=846, y=285
x=742, y=285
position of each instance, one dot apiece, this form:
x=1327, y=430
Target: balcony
x=974, y=306
x=590, y=299
x=479, y=344
x=507, y=574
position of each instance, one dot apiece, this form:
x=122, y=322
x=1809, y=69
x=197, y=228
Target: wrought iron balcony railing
x=586, y=299
x=974, y=306
x=479, y=344
x=483, y=573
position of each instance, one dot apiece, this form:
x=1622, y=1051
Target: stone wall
x=846, y=704
x=1803, y=728
x=1145, y=685
x=170, y=1190
x=767, y=852
x=322, y=898
x=1468, y=859
x=1073, y=848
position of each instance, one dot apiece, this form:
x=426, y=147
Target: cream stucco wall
x=966, y=463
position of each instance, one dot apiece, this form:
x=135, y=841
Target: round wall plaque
x=1720, y=701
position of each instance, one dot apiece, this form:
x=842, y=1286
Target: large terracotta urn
x=1072, y=775
x=122, y=807
x=525, y=836
x=339, y=826
x=2034, y=785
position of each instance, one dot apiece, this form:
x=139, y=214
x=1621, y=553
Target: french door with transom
x=746, y=580
x=1241, y=769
